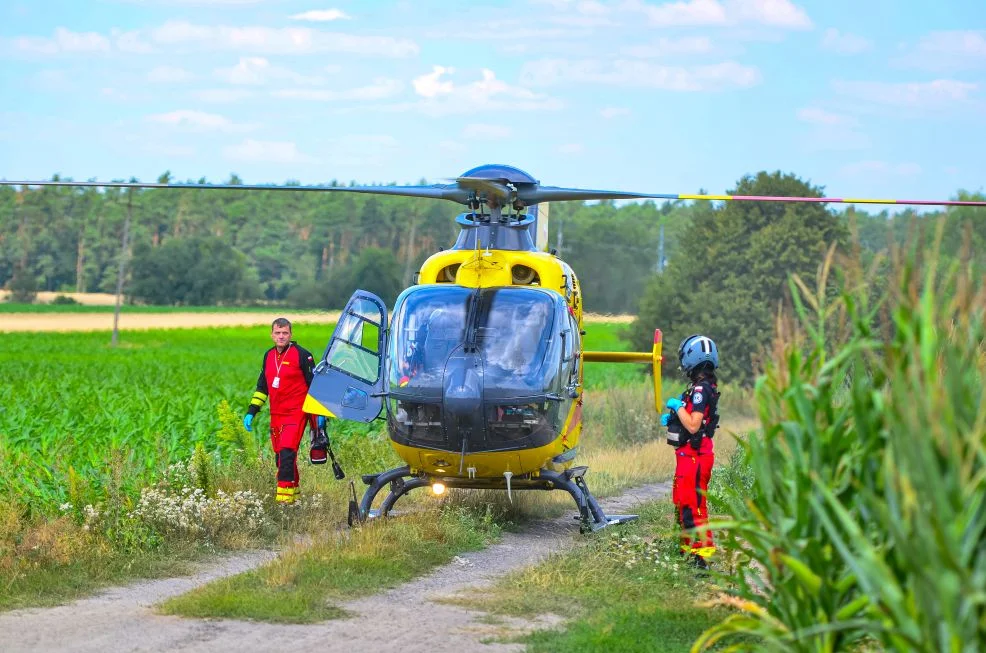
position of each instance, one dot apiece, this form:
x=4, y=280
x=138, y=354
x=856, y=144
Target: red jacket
x=285, y=379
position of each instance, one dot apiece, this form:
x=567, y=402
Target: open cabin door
x=349, y=380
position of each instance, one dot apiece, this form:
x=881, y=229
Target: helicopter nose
x=464, y=384
x=463, y=396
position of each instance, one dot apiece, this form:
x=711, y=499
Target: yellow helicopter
x=478, y=369
x=478, y=372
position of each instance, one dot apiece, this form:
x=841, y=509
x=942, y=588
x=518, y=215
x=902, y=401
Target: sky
x=883, y=98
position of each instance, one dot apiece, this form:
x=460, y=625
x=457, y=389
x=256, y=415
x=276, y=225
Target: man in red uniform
x=285, y=375
x=695, y=418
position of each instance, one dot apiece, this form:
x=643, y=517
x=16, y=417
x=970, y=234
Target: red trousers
x=691, y=483
x=285, y=438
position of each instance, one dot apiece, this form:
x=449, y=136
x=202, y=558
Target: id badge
x=276, y=383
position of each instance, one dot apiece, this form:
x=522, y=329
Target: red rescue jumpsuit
x=285, y=377
x=693, y=469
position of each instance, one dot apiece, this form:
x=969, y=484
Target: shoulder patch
x=697, y=396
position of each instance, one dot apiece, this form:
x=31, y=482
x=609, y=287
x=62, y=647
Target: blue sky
x=878, y=98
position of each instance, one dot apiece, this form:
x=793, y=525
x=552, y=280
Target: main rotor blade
x=449, y=192
x=538, y=194
x=826, y=200
x=466, y=187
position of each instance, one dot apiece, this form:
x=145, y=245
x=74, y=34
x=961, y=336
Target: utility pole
x=122, y=267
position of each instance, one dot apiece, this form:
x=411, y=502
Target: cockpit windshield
x=430, y=324
x=513, y=332
x=478, y=364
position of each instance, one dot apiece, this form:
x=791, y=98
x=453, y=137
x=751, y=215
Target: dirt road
x=404, y=619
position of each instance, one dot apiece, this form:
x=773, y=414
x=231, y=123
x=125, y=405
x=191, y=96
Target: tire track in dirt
x=407, y=618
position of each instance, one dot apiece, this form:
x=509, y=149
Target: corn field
x=865, y=526
x=78, y=417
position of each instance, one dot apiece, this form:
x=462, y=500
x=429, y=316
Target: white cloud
x=844, y=43
x=688, y=12
x=251, y=151
x=571, y=148
x=199, y=121
x=255, y=71
x=169, y=75
x=831, y=131
x=271, y=40
x=614, y=112
x=818, y=116
x=380, y=89
x=774, y=13
x=132, y=42
x=581, y=13
x=223, y=95
x=934, y=94
x=480, y=131
x=949, y=50
x=485, y=94
x=881, y=168
x=640, y=74
x=63, y=41
x=321, y=15
x=196, y=2
x=665, y=46
x=431, y=84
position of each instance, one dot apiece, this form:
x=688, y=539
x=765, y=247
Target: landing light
x=438, y=489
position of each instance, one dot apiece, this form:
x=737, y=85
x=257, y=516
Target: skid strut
x=401, y=481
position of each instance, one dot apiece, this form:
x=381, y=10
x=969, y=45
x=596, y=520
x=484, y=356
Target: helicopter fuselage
x=479, y=369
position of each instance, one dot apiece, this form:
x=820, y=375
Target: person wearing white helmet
x=692, y=420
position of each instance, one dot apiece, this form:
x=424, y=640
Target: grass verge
x=46, y=586
x=300, y=586
x=623, y=590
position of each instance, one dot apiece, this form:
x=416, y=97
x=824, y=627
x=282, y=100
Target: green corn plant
x=866, y=525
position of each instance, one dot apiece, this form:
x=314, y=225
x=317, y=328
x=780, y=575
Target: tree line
x=719, y=268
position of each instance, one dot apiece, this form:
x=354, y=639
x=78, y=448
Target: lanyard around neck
x=277, y=371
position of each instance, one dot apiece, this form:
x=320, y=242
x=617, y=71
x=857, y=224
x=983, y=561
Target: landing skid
x=591, y=516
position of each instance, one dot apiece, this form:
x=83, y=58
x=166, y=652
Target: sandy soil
x=87, y=298
x=39, y=322
x=405, y=619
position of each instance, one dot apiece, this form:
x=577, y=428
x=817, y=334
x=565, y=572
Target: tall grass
x=865, y=526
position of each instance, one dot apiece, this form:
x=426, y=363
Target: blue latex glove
x=248, y=422
x=674, y=404
x=664, y=419
x=321, y=421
